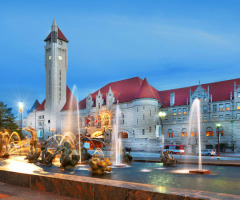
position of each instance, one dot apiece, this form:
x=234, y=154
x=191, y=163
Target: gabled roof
x=41, y=106
x=124, y=91
x=34, y=106
x=71, y=101
x=60, y=36
x=220, y=91
x=147, y=91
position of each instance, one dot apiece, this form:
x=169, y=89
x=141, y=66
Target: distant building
x=140, y=104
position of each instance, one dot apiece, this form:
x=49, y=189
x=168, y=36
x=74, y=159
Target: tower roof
x=60, y=35
x=146, y=91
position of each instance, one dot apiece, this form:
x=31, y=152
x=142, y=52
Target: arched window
x=193, y=133
x=106, y=120
x=170, y=133
x=99, y=120
x=220, y=129
x=184, y=132
x=209, y=132
x=92, y=121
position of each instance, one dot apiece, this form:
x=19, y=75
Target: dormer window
x=172, y=99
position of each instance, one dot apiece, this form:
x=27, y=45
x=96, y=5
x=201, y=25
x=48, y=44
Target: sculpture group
x=69, y=154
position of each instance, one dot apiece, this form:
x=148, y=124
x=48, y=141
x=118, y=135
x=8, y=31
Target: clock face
x=49, y=57
x=60, y=57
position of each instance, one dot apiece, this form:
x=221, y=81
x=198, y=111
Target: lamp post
x=52, y=130
x=20, y=105
x=161, y=116
x=218, y=132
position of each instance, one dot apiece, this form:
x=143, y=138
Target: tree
x=7, y=120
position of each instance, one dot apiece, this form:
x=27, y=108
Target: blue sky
x=172, y=43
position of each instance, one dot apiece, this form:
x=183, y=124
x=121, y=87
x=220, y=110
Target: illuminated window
x=220, y=129
x=220, y=107
x=174, y=111
x=227, y=106
x=214, y=108
x=209, y=132
x=179, y=111
x=193, y=134
x=174, y=121
x=184, y=132
x=170, y=133
x=106, y=120
x=238, y=106
x=184, y=111
x=238, y=94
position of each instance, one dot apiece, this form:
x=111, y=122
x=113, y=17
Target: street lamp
x=20, y=105
x=161, y=116
x=218, y=132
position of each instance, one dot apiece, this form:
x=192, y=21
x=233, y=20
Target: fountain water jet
x=73, y=105
x=195, y=114
x=117, y=140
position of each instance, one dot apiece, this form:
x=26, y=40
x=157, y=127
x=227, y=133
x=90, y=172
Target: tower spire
x=54, y=25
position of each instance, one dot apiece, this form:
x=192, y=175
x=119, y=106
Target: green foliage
x=7, y=120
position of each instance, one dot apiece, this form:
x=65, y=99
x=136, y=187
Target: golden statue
x=99, y=166
x=4, y=141
x=33, y=142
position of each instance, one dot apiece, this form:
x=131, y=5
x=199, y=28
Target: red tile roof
x=220, y=91
x=60, y=36
x=147, y=91
x=125, y=91
x=71, y=101
x=41, y=106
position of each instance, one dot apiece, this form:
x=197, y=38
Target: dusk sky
x=171, y=43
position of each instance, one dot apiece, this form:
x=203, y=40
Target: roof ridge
x=197, y=85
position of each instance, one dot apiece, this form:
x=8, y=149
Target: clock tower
x=56, y=63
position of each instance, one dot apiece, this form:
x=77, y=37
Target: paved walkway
x=13, y=192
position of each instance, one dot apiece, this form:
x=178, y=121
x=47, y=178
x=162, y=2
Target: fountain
x=74, y=107
x=195, y=114
x=116, y=140
x=8, y=143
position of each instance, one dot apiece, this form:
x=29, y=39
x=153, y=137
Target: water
x=116, y=140
x=194, y=123
x=223, y=179
x=73, y=118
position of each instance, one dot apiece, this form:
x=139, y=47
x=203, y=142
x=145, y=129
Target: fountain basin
x=199, y=171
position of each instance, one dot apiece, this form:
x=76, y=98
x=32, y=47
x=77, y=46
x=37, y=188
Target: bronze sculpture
x=33, y=154
x=4, y=141
x=167, y=160
x=99, y=166
x=65, y=159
